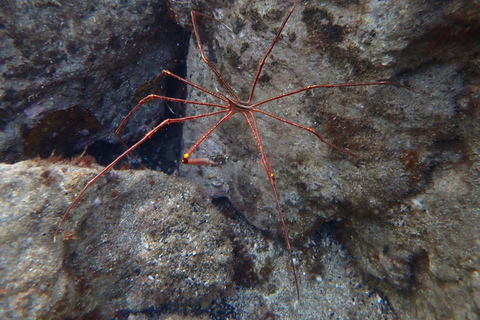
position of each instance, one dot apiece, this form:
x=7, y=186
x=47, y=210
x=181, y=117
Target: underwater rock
x=405, y=214
x=406, y=139
x=143, y=244
x=99, y=58
x=137, y=239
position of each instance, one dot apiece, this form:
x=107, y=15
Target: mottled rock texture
x=405, y=213
x=408, y=208
x=143, y=244
x=71, y=71
x=136, y=241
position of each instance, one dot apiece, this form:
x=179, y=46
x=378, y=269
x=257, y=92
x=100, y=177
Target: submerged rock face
x=416, y=146
x=143, y=244
x=70, y=73
x=137, y=240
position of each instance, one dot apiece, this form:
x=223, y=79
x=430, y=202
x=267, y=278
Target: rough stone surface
x=144, y=245
x=329, y=284
x=407, y=209
x=424, y=253
x=70, y=72
x=137, y=240
x=405, y=215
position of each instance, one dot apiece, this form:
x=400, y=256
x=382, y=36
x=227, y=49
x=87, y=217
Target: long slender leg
x=187, y=160
x=123, y=155
x=262, y=63
x=339, y=85
x=166, y=72
x=132, y=155
x=311, y=87
x=157, y=97
x=252, y=122
x=152, y=96
x=200, y=47
x=319, y=136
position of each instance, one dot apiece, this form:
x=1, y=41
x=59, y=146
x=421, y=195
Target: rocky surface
x=136, y=241
x=70, y=72
x=144, y=245
x=407, y=208
x=393, y=234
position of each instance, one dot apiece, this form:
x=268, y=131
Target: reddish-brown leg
x=252, y=123
x=248, y=110
x=136, y=145
x=151, y=97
